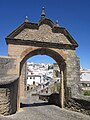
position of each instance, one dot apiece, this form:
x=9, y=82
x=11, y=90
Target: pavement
x=34, y=109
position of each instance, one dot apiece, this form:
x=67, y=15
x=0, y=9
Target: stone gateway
x=42, y=38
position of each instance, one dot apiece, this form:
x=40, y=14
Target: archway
x=59, y=60
x=43, y=38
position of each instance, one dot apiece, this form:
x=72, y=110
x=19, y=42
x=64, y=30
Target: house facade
x=34, y=80
x=85, y=79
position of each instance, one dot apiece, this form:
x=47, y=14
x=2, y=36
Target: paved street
x=34, y=109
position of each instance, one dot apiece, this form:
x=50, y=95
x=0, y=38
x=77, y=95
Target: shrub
x=87, y=93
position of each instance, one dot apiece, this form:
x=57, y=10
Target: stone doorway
x=61, y=63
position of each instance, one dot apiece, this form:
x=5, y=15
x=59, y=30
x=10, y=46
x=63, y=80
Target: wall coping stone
x=82, y=97
x=8, y=79
x=7, y=57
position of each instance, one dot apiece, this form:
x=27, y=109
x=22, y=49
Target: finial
x=43, y=13
x=26, y=19
x=57, y=25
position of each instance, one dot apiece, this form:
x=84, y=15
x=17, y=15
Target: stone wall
x=73, y=76
x=7, y=66
x=8, y=94
x=81, y=105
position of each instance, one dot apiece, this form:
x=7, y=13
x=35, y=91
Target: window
x=33, y=82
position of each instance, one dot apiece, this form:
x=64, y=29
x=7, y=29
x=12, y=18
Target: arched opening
x=40, y=73
x=60, y=62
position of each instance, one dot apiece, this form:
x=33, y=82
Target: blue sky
x=74, y=15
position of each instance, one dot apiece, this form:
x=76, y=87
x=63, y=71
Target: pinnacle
x=26, y=19
x=43, y=13
x=57, y=24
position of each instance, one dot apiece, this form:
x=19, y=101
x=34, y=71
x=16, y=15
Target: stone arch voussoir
x=44, y=51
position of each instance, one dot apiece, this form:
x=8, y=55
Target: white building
x=39, y=69
x=38, y=74
x=85, y=79
x=34, y=80
x=85, y=75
